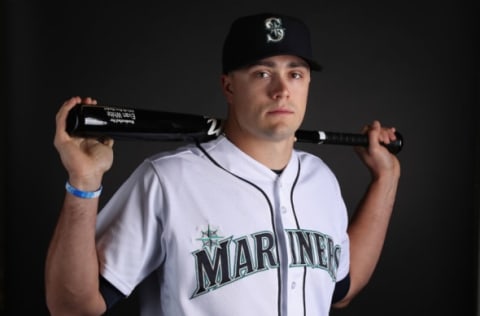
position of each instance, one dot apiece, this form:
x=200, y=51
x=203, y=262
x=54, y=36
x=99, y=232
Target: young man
x=243, y=224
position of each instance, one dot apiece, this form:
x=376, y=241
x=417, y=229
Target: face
x=267, y=100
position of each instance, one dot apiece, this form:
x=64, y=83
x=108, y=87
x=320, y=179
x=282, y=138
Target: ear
x=226, y=81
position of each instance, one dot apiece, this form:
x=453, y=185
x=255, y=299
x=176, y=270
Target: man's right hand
x=85, y=159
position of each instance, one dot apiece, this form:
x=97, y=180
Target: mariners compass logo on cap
x=275, y=29
x=259, y=36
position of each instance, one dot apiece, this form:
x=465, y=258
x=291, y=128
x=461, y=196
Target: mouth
x=280, y=111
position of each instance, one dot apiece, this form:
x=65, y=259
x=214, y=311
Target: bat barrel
x=128, y=124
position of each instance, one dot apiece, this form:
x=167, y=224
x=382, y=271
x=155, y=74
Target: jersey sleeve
x=341, y=289
x=111, y=295
x=129, y=230
x=344, y=263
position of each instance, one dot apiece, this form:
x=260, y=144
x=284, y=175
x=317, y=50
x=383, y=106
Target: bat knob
x=396, y=146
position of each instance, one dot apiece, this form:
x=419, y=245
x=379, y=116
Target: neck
x=274, y=154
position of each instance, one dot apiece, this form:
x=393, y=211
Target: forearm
x=71, y=274
x=368, y=229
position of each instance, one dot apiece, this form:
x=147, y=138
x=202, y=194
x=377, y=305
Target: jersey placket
x=291, y=282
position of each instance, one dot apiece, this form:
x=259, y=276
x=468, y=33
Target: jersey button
x=293, y=285
x=284, y=209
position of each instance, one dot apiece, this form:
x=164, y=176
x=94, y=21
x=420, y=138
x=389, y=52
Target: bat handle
x=322, y=137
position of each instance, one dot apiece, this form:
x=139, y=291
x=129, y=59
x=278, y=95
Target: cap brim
x=313, y=65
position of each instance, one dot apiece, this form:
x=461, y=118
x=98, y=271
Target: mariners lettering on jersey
x=315, y=250
x=223, y=261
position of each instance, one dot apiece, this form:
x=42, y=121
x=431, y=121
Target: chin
x=281, y=135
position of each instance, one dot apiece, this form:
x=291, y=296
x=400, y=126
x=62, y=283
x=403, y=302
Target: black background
x=413, y=65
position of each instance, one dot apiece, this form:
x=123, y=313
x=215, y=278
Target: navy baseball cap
x=263, y=35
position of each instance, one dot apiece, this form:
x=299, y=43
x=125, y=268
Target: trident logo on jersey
x=275, y=30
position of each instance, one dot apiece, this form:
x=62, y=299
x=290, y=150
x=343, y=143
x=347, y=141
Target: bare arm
x=71, y=271
x=369, y=224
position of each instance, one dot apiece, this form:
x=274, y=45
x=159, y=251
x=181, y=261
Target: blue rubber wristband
x=83, y=194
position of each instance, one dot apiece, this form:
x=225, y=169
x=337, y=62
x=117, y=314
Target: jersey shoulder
x=183, y=155
x=310, y=160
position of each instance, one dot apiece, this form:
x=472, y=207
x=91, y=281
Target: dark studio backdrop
x=409, y=64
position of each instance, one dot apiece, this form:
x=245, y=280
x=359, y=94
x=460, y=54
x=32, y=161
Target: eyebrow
x=268, y=63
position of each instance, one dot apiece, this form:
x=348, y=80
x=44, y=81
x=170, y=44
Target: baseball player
x=241, y=225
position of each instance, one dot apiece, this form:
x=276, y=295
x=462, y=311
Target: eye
x=262, y=74
x=297, y=75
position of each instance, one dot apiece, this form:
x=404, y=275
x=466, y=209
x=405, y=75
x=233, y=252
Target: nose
x=279, y=88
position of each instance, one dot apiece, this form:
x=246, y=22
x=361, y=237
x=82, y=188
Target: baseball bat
x=125, y=123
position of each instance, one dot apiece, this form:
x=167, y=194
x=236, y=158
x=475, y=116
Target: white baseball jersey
x=211, y=231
